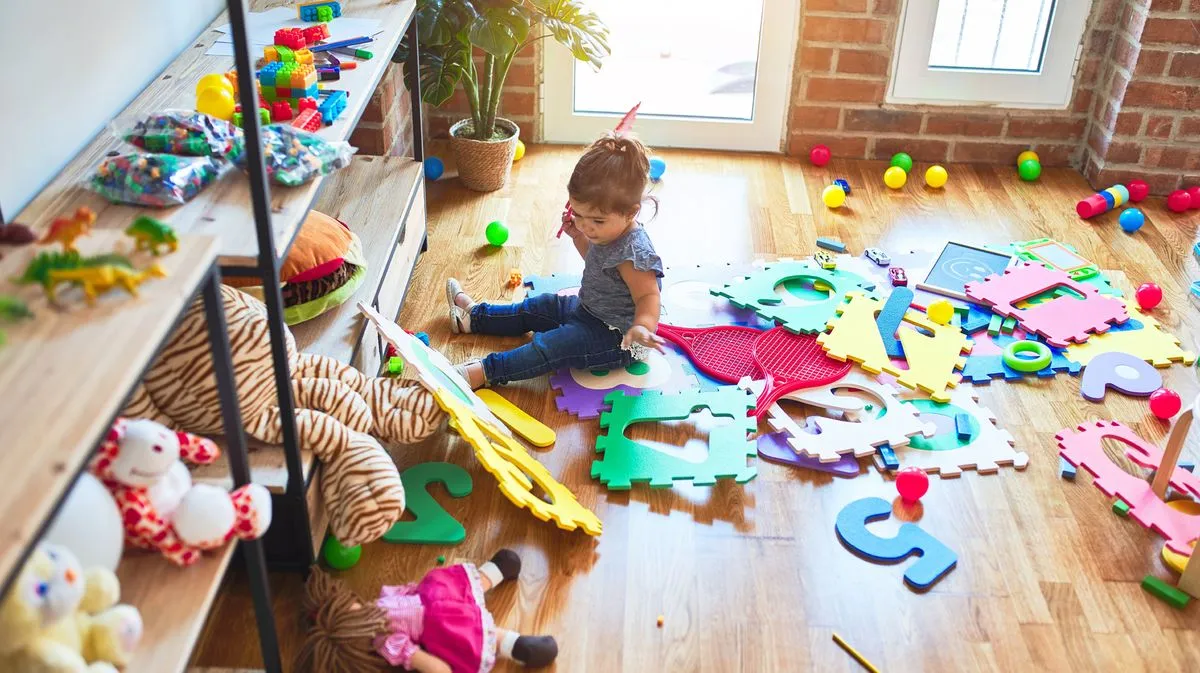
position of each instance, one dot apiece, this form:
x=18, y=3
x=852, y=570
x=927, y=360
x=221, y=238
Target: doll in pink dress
x=438, y=625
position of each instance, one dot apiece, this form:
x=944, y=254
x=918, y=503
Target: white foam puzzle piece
x=992, y=448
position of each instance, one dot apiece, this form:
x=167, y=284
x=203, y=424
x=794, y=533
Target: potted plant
x=449, y=32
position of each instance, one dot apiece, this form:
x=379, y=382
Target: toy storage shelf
x=64, y=375
x=223, y=209
x=174, y=602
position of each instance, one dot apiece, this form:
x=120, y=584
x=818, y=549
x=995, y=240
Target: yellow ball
x=833, y=196
x=520, y=151
x=940, y=311
x=217, y=102
x=895, y=177
x=215, y=79
x=1026, y=155
x=936, y=177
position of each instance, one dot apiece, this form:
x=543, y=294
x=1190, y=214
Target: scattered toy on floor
x=1102, y=202
x=1165, y=592
x=1148, y=295
x=936, y=176
x=660, y=621
x=854, y=653
x=1030, y=169
x=1066, y=470
x=897, y=276
x=833, y=197
x=432, y=523
x=339, y=557
x=940, y=311
x=825, y=260
x=895, y=177
x=1165, y=403
x=841, y=182
x=520, y=153
x=434, y=168
x=1138, y=190
x=1180, y=201
x=514, y=279
x=1120, y=508
x=902, y=161
x=819, y=155
x=529, y=428
x=1121, y=371
x=934, y=558
x=912, y=483
x=831, y=244
x=1131, y=220
x=878, y=256
x=496, y=233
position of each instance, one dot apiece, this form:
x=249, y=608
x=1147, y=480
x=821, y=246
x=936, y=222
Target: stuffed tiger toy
x=339, y=411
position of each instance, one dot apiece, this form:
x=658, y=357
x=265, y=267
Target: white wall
x=71, y=66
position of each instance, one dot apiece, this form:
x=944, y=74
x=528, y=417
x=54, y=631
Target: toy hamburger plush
x=323, y=269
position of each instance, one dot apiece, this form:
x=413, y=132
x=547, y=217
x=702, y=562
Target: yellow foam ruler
x=531, y=429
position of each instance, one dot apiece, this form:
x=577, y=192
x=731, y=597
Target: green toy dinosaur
x=150, y=233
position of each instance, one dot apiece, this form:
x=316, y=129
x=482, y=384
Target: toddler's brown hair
x=612, y=174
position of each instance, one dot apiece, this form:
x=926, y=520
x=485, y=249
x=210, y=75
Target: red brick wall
x=386, y=124
x=520, y=102
x=841, y=74
x=1144, y=123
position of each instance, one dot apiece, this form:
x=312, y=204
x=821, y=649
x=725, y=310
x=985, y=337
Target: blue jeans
x=565, y=335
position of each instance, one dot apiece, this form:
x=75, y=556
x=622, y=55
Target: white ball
x=89, y=524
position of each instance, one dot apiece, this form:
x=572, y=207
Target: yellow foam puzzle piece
x=1150, y=343
x=531, y=429
x=507, y=461
x=932, y=360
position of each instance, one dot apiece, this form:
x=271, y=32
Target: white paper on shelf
x=261, y=27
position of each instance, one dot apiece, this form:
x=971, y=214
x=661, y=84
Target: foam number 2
x=935, y=560
x=433, y=524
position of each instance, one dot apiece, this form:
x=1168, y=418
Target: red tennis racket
x=722, y=352
x=791, y=362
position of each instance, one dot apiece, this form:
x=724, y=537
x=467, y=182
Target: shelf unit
x=250, y=228
x=64, y=376
x=255, y=224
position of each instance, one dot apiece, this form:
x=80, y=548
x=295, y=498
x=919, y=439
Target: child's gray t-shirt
x=602, y=291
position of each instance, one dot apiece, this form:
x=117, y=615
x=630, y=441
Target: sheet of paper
x=261, y=26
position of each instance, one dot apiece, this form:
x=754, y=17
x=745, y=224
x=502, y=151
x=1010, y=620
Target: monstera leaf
x=500, y=31
x=576, y=28
x=441, y=71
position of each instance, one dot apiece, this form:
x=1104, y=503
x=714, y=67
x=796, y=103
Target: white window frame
x=913, y=81
x=764, y=132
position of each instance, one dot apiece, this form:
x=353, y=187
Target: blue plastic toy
x=841, y=182
x=657, y=168
x=936, y=559
x=1131, y=220
x=434, y=168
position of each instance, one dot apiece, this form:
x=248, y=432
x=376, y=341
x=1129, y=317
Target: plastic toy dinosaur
x=149, y=234
x=66, y=229
x=96, y=280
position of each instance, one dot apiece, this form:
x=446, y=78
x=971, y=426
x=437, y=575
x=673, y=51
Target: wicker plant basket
x=484, y=165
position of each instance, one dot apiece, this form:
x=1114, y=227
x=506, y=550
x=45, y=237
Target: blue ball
x=434, y=168
x=657, y=168
x=1131, y=220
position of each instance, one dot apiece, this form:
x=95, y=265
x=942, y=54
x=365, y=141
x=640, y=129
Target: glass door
x=709, y=74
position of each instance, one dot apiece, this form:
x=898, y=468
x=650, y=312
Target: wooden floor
x=752, y=578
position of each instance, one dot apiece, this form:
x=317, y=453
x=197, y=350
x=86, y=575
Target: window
x=1015, y=53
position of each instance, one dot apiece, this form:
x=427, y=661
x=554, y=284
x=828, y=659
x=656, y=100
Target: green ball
x=902, y=160
x=339, y=557
x=1030, y=170
x=496, y=233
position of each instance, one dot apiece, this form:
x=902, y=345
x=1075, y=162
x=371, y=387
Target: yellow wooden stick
x=854, y=653
x=534, y=431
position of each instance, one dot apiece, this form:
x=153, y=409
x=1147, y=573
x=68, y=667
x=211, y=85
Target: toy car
x=878, y=256
x=898, y=276
x=824, y=259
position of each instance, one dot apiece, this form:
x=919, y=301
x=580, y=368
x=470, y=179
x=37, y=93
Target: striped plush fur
x=338, y=409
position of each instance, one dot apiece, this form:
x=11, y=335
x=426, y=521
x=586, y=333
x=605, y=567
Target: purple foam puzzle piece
x=775, y=448
x=585, y=402
x=1102, y=373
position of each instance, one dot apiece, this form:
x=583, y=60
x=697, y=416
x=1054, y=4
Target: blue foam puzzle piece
x=1065, y=469
x=890, y=317
x=936, y=559
x=984, y=368
x=975, y=320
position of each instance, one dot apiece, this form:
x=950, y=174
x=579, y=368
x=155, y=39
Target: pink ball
x=1165, y=403
x=912, y=483
x=1194, y=192
x=1179, y=201
x=820, y=155
x=1148, y=296
x=1138, y=190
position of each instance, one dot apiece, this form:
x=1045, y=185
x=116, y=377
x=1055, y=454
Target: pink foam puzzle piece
x=1060, y=321
x=1085, y=448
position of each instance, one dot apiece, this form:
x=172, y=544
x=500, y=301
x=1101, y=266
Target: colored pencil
x=341, y=43
x=854, y=653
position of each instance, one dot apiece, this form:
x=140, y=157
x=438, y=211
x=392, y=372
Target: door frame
x=765, y=132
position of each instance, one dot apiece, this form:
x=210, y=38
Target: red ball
x=1165, y=403
x=912, y=483
x=1194, y=192
x=1138, y=190
x=820, y=155
x=1148, y=296
x=1179, y=201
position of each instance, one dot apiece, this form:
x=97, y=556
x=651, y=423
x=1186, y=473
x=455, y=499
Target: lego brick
x=1120, y=508
x=292, y=38
x=308, y=120
x=319, y=11
x=333, y=106
x=1066, y=470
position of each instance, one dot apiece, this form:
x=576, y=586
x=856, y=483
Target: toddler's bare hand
x=640, y=335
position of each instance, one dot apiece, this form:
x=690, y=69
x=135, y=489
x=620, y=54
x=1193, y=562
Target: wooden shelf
x=223, y=209
x=268, y=467
x=174, y=603
x=65, y=372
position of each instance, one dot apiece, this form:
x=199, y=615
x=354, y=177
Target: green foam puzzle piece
x=1165, y=592
x=433, y=525
x=625, y=462
x=756, y=292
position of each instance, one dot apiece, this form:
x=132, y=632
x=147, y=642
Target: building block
x=831, y=244
x=963, y=425
x=1165, y=592
x=433, y=525
x=332, y=107
x=529, y=428
x=1061, y=321
x=308, y=120
x=292, y=38
x=994, y=324
x=1150, y=343
x=773, y=446
x=1120, y=508
x=987, y=449
x=1121, y=371
x=318, y=11
x=314, y=34
x=890, y=319
x=1085, y=448
x=934, y=558
x=757, y=292
x=888, y=457
x=626, y=462
x=1008, y=325
x=281, y=111
x=1066, y=470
